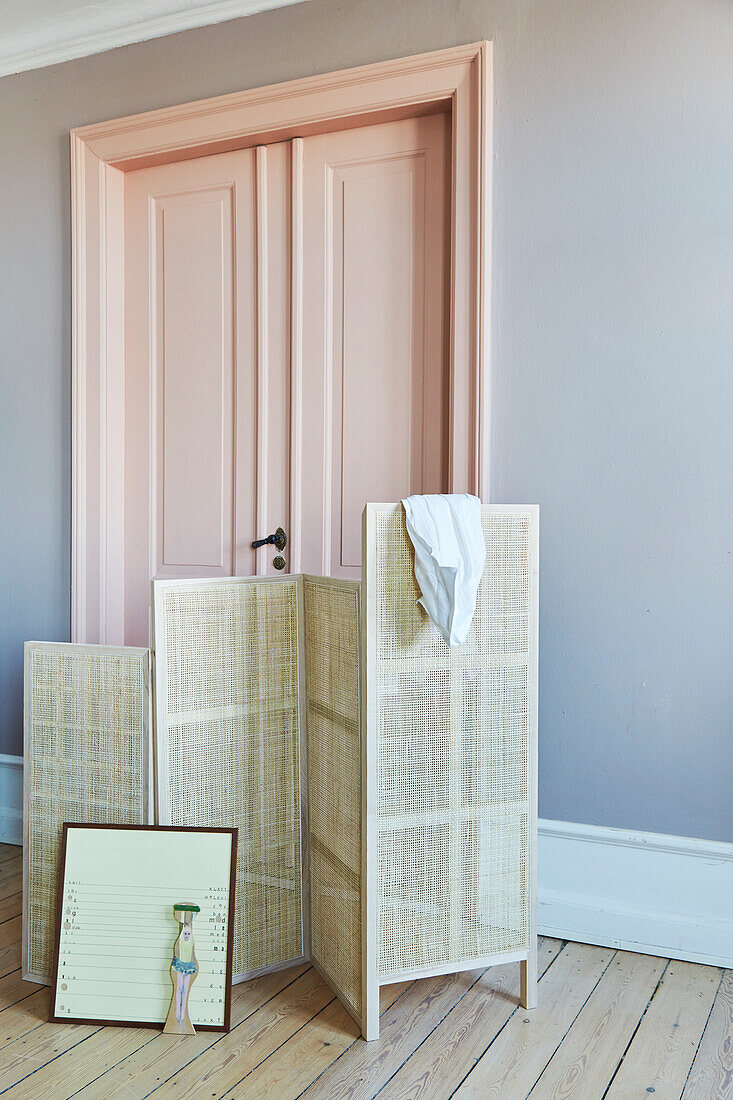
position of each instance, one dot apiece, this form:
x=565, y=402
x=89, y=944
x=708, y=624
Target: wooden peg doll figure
x=184, y=969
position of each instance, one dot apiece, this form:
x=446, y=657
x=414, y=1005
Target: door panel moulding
x=457, y=81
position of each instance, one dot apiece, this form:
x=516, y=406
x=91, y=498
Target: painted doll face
x=187, y=931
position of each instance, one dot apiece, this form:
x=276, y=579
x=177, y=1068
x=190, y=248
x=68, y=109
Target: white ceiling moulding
x=35, y=33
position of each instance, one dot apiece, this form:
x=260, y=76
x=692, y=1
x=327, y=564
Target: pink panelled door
x=374, y=328
x=285, y=350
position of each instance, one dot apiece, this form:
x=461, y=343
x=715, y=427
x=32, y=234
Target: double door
x=286, y=351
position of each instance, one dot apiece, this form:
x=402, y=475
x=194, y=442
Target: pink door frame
x=458, y=80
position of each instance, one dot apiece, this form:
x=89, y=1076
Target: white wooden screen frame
x=371, y=980
x=457, y=80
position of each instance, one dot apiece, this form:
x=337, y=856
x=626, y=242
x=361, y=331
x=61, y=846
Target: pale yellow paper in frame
x=118, y=928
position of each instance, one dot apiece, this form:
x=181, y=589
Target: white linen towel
x=450, y=552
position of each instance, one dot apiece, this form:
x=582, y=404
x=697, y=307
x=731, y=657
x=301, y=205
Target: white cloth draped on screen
x=450, y=552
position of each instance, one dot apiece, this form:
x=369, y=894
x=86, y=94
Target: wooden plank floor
x=610, y=1024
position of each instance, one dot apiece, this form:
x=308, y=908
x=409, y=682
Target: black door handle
x=279, y=539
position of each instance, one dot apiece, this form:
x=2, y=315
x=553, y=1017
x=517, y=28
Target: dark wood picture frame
x=226, y=1025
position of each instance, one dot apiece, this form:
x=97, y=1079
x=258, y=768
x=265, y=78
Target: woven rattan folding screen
x=449, y=763
x=384, y=785
x=87, y=758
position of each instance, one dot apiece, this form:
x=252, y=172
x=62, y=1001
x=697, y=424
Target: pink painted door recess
x=285, y=350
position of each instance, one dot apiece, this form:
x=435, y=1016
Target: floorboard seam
x=707, y=1021
x=157, y=1034
x=575, y=1017
x=48, y=1063
x=110, y=1068
x=638, y=1025
x=509, y=1017
x=275, y=1049
x=404, y=1063
x=440, y=1021
x=562, y=1040
x=223, y=1036
x=15, y=915
x=348, y=1048
x=41, y=1023
x=23, y=998
x=7, y=973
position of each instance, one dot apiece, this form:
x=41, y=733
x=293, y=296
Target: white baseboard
x=11, y=799
x=648, y=892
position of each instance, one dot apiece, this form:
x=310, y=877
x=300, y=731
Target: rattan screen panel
x=228, y=728
x=453, y=751
x=334, y=783
x=87, y=758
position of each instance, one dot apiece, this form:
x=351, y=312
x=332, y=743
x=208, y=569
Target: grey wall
x=612, y=379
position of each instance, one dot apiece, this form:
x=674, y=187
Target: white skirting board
x=648, y=892
x=11, y=799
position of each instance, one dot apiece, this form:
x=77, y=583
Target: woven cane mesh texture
x=334, y=784
x=231, y=713
x=453, y=734
x=86, y=759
